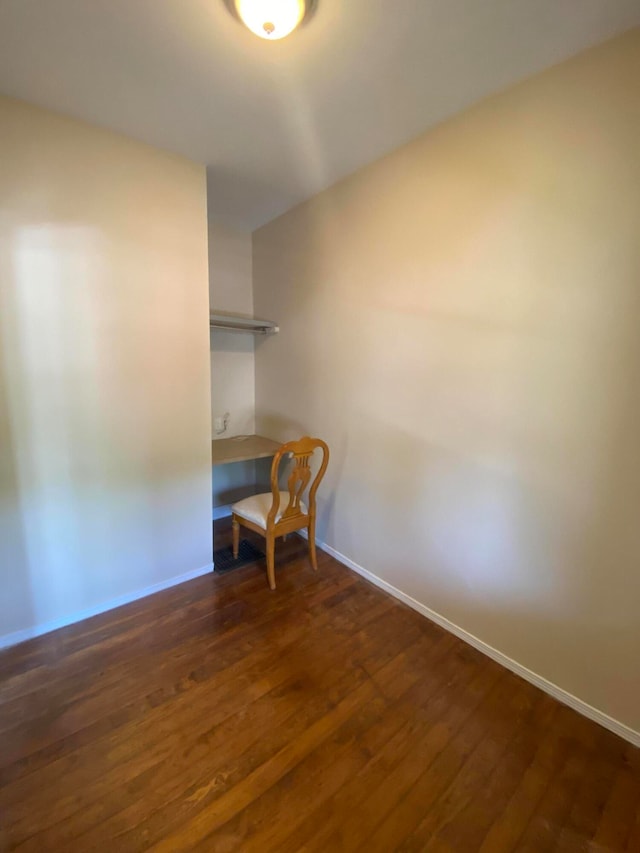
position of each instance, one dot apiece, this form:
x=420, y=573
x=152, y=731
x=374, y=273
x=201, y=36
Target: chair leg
x=271, y=574
x=235, y=527
x=312, y=544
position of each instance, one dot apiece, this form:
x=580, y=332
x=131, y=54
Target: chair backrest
x=299, y=477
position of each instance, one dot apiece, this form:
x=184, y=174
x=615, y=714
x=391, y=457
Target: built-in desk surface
x=225, y=450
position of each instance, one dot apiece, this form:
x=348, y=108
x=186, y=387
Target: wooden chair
x=278, y=513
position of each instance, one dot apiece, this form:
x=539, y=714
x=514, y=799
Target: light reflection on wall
x=52, y=339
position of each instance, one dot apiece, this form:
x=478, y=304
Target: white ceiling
x=277, y=121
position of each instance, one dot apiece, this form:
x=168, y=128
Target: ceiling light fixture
x=272, y=19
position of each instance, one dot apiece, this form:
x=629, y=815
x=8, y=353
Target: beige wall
x=460, y=322
x=232, y=357
x=105, y=478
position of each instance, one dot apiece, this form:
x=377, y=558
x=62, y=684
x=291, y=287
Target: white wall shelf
x=241, y=323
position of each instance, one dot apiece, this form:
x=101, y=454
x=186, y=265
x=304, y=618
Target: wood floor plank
x=168, y=677
x=515, y=815
x=479, y=793
x=584, y=817
x=130, y=645
x=423, y=708
x=241, y=743
x=617, y=818
x=545, y=827
x=324, y=716
x=427, y=786
x=329, y=768
x=142, y=744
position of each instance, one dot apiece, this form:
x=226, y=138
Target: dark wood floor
x=326, y=716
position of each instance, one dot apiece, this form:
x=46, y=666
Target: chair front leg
x=235, y=527
x=271, y=546
x=312, y=544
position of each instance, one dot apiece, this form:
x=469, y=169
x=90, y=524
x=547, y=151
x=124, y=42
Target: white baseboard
x=558, y=693
x=44, y=628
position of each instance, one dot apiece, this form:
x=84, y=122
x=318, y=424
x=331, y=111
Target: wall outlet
x=220, y=424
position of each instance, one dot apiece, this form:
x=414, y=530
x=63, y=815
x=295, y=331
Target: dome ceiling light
x=272, y=19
